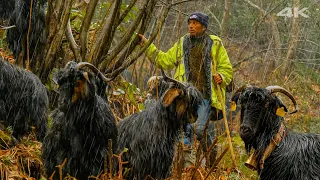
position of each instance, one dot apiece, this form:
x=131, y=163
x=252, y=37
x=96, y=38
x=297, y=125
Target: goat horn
x=166, y=78
x=274, y=89
x=238, y=91
x=242, y=88
x=94, y=69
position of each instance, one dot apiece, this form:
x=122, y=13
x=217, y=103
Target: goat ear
x=170, y=95
x=80, y=90
x=234, y=101
x=233, y=106
x=235, y=97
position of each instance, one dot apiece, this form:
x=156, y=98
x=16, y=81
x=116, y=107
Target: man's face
x=195, y=28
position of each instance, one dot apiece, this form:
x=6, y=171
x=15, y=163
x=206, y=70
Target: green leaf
x=141, y=106
x=130, y=93
x=125, y=150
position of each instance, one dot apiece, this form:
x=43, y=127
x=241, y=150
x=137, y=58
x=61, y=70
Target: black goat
x=278, y=153
x=17, y=13
x=82, y=124
x=23, y=100
x=150, y=135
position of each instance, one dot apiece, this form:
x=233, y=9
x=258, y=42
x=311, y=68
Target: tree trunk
x=58, y=21
x=226, y=15
x=274, y=31
x=293, y=41
x=277, y=41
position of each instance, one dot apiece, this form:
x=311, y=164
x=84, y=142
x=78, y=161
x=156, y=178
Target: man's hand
x=143, y=40
x=217, y=78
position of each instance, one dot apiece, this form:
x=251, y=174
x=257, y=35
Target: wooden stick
x=223, y=109
x=216, y=162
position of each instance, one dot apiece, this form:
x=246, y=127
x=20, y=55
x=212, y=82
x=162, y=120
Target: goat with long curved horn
x=83, y=115
x=274, y=89
x=278, y=152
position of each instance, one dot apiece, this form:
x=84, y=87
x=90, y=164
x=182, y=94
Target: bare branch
x=28, y=36
x=214, y=17
x=180, y=2
x=128, y=9
x=80, y=4
x=293, y=41
x=73, y=45
x=58, y=24
x=7, y=27
x=104, y=41
x=100, y=37
x=312, y=42
x=273, y=24
x=255, y=6
x=144, y=23
x=134, y=57
x=179, y=11
x=226, y=15
x=126, y=37
x=52, y=18
x=85, y=27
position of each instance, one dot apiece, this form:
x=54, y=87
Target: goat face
x=258, y=112
x=73, y=86
x=185, y=97
x=183, y=100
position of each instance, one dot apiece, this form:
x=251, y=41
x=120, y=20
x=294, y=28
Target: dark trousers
x=205, y=113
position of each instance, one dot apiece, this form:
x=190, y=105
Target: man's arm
x=166, y=60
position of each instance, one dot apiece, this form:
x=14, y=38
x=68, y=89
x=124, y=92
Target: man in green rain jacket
x=202, y=60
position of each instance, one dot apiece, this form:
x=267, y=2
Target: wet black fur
x=16, y=12
x=80, y=130
x=150, y=136
x=6, y=9
x=23, y=100
x=298, y=154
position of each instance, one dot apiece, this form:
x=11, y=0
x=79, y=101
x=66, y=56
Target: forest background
x=269, y=43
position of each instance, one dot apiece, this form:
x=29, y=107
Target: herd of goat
x=83, y=124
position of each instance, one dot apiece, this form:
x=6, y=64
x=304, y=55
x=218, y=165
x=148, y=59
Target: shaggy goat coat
x=17, y=13
x=150, y=136
x=297, y=156
x=80, y=130
x=23, y=100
